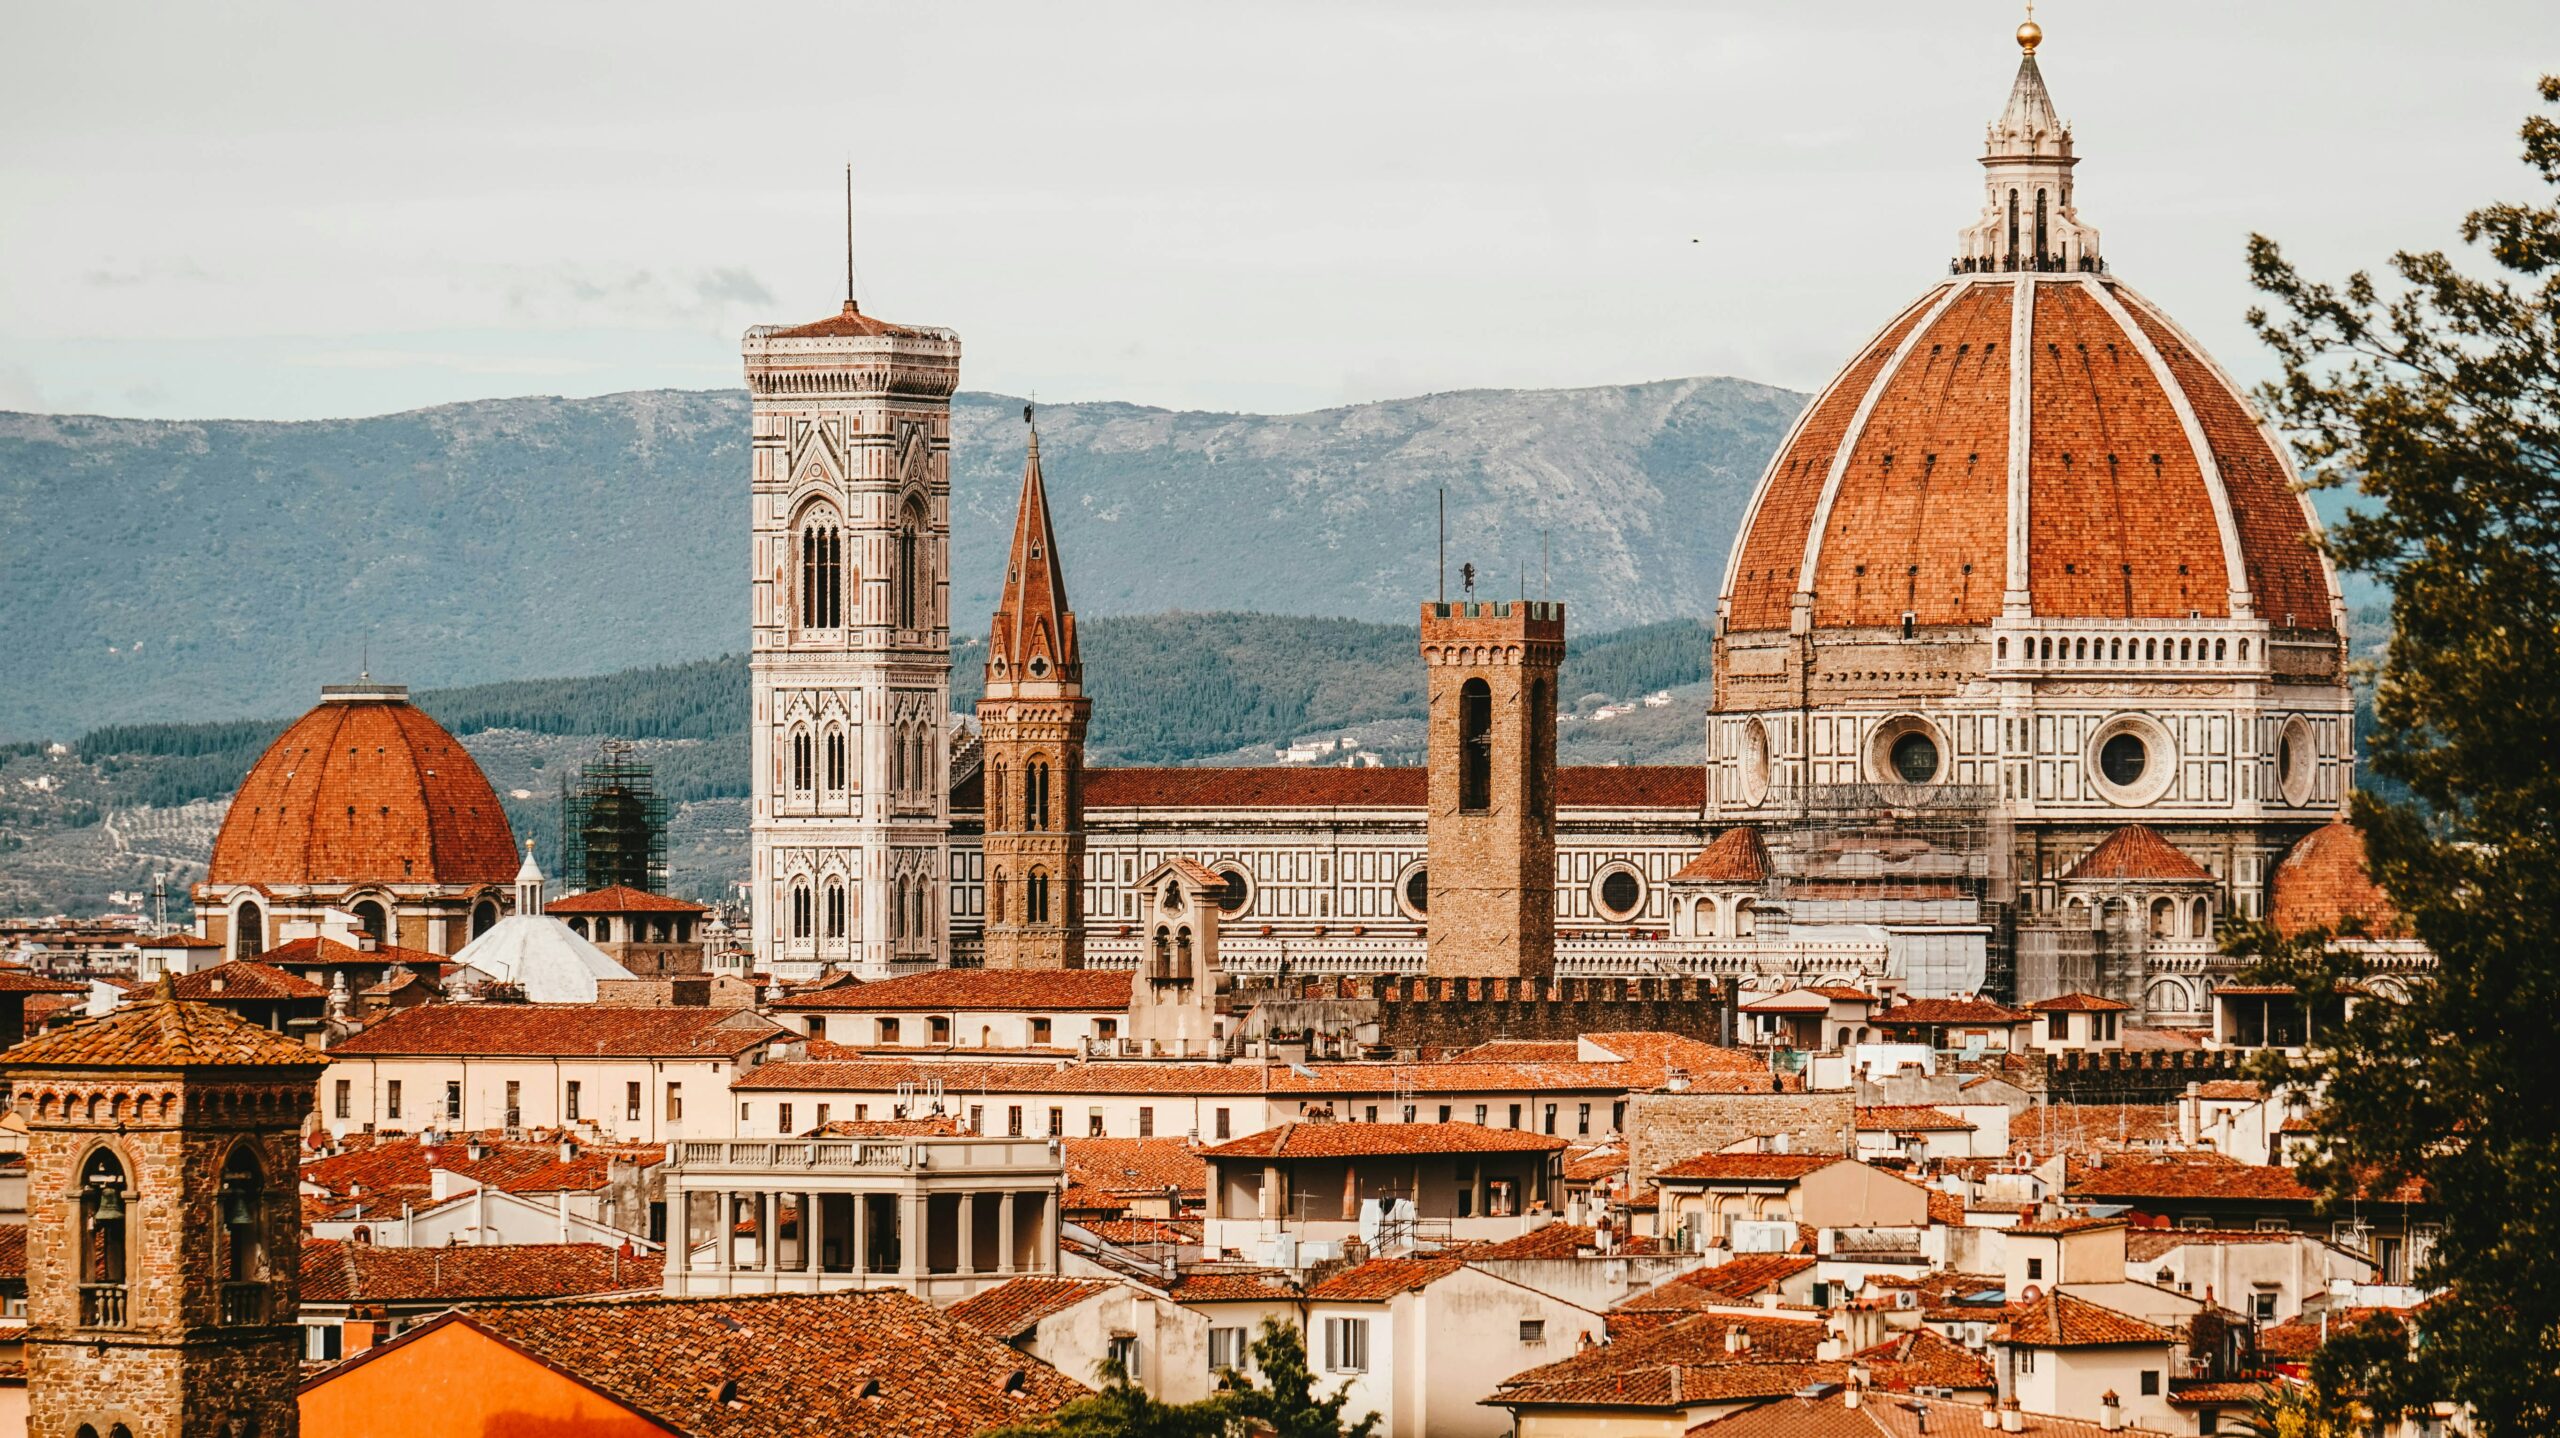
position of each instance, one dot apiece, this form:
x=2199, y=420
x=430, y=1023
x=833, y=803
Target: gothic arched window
x=1163, y=966
x=1475, y=745
x=371, y=918
x=105, y=1194
x=802, y=765
x=996, y=777
x=1035, y=893
x=249, y=932
x=244, y=1213
x=821, y=573
x=897, y=909
x=835, y=909
x=1182, y=953
x=2013, y=229
x=909, y=566
x=995, y=898
x=801, y=917
x=484, y=917
x=2040, y=239
x=1035, y=795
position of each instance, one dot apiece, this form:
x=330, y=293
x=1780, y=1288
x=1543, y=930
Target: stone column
x=679, y=1229
x=728, y=1236
x=769, y=1232
x=968, y=1233
x=813, y=1237
x=1270, y=1193
x=862, y=1236
x=911, y=1239
x=1004, y=1231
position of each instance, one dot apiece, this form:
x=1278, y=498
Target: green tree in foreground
x=2439, y=400
x=1283, y=1404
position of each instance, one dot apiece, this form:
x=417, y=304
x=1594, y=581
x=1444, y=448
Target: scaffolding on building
x=613, y=824
x=1928, y=863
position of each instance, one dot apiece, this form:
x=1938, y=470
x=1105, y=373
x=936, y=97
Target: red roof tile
x=2137, y=851
x=1740, y=1280
x=21, y=981
x=584, y=1030
x=2063, y=1227
x=1910, y=1118
x=1128, y=1166
x=13, y=1251
x=2130, y=1180
x=162, y=1033
x=1363, y=1140
x=2087, y=1128
x=1679, y=1364
x=401, y=1167
x=2077, y=1004
x=1096, y=990
x=1950, y=1011
x=852, y=323
x=1006, y=1310
x=246, y=979
x=1735, y=857
x=1211, y=1285
x=1926, y=1358
x=364, y=791
x=1747, y=1167
x=1380, y=1279
x=2325, y=883
x=334, y=1271
x=2058, y=1320
x=622, y=899
x=329, y=953
x=1558, y=1240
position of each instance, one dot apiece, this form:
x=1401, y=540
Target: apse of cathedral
x=2027, y=672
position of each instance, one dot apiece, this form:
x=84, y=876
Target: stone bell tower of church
x=1492, y=868
x=163, y=1227
x=851, y=668
x=1032, y=723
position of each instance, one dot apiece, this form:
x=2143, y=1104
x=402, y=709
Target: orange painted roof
x=1099, y=990
x=2121, y=520
x=245, y=979
x=1367, y=1140
x=1736, y=857
x=850, y=323
x=539, y=1030
x=1135, y=1165
x=1008, y=1308
x=364, y=791
x=2325, y=883
x=2058, y=1320
x=2137, y=851
x=2077, y=1004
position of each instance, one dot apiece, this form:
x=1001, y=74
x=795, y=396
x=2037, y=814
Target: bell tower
x=1491, y=872
x=163, y=1227
x=851, y=668
x=1031, y=725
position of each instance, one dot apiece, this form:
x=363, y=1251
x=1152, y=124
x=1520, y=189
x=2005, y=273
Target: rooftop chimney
x=2011, y=1420
x=2111, y=1412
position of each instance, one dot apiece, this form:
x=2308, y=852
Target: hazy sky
x=289, y=211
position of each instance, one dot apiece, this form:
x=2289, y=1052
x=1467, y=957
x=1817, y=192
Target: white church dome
x=542, y=955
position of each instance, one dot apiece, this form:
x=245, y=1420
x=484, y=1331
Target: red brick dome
x=2324, y=882
x=364, y=789
x=2051, y=435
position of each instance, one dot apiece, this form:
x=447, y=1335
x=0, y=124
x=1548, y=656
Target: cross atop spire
x=1033, y=640
x=2028, y=221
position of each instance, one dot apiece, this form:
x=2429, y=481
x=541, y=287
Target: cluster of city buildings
x=1878, y=1073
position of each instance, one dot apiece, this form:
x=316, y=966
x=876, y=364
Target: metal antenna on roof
x=849, y=302
x=1444, y=544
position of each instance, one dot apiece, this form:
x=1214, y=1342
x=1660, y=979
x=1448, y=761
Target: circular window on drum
x=2296, y=761
x=1755, y=762
x=1906, y=750
x=1413, y=892
x=1617, y=892
x=2131, y=760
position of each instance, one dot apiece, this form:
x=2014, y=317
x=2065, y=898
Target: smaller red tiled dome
x=2324, y=883
x=364, y=789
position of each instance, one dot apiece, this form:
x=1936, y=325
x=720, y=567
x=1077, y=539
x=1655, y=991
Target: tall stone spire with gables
x=2028, y=220
x=1031, y=724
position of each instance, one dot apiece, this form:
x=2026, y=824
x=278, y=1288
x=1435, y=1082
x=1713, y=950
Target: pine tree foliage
x=2436, y=394
x=1280, y=1401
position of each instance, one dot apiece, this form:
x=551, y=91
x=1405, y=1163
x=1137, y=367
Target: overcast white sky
x=288, y=211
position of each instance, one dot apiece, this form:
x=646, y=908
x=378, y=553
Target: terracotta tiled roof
x=1908, y=454
x=2085, y=1128
x=1747, y=1167
x=2125, y=1180
x=1137, y=1232
x=364, y=791
x=849, y=1365
x=1362, y=1140
x=1380, y=1279
x=1136, y=1165
x=622, y=899
x=1950, y=1011
x=583, y=1030
x=2077, y=1004
x=1604, y=1160
x=2058, y=1320
x=1885, y=1414
x=340, y=1272
x=1679, y=1364
x=329, y=953
x=400, y=1167
x=1004, y=1311
x=1206, y=1285
x=2146, y=1245
x=851, y=323
x=1740, y=1280
x=2063, y=1227
x=938, y=1126
x=1735, y=857
x=2296, y=1339
x=13, y=1251
x=162, y=1033
x=1925, y=1358
x=20, y=981
x=1558, y=1240
x=2232, y=1090
x=2324, y=882
x=2189, y=1395
x=243, y=979
x=1910, y=1118
x=2137, y=851
x=1033, y=621
x=1945, y=1208
x=1628, y=786
x=1098, y=990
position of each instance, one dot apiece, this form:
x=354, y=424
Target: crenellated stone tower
x=1491, y=898
x=852, y=665
x=1031, y=726
x=163, y=1230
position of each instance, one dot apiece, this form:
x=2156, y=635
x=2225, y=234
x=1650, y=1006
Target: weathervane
x=1467, y=578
